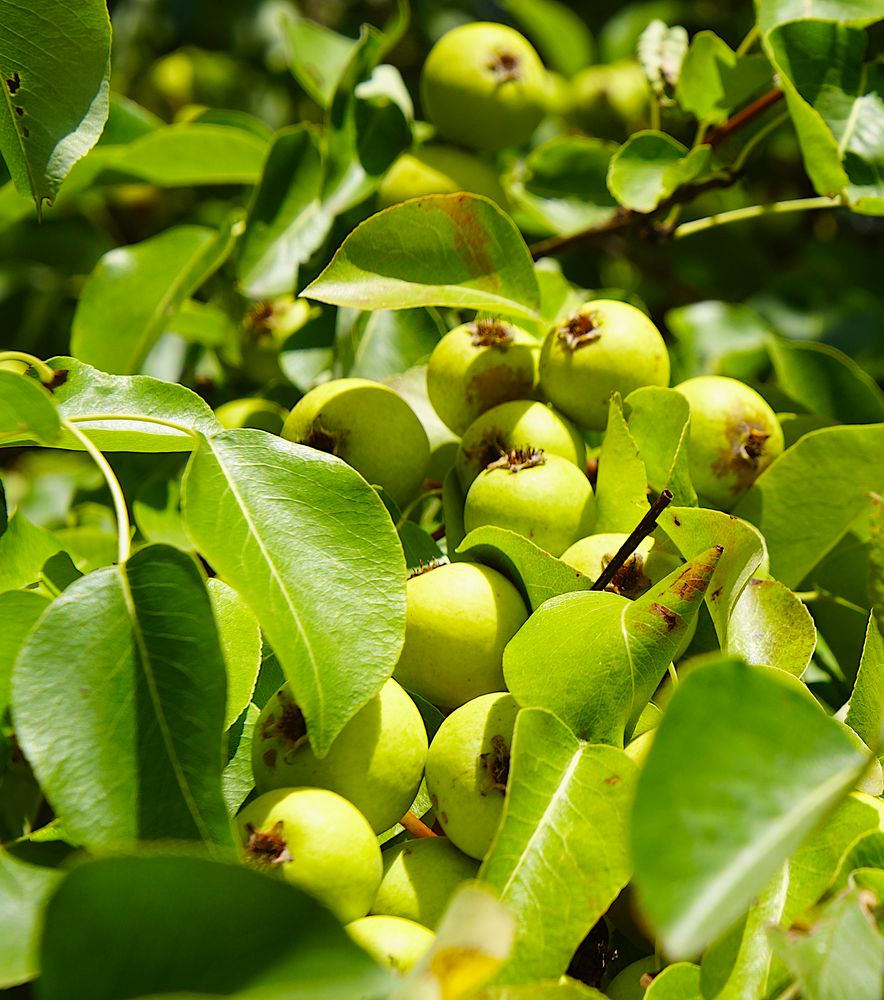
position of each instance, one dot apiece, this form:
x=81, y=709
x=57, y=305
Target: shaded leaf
x=715, y=80
x=560, y=33
x=383, y=344
x=241, y=646
x=24, y=548
x=237, y=780
x=650, y=167
x=622, y=486
x=680, y=981
x=769, y=625
x=26, y=410
x=19, y=611
x=865, y=713
x=317, y=57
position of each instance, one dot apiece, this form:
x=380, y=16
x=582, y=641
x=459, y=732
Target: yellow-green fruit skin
x=467, y=770
x=603, y=347
x=465, y=378
x=420, y=876
x=484, y=86
x=393, y=941
x=627, y=985
x=551, y=504
x=262, y=414
x=592, y=554
x=609, y=100
x=521, y=423
x=376, y=762
x=334, y=852
x=439, y=170
x=370, y=427
x=459, y=617
x=734, y=437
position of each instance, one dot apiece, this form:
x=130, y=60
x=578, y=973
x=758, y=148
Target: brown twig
x=416, y=827
x=726, y=129
x=644, y=527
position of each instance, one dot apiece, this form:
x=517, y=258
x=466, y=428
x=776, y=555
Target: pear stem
x=641, y=531
x=416, y=827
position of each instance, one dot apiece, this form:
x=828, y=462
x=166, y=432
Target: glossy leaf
x=24, y=548
x=240, y=639
x=45, y=128
x=382, y=344
x=715, y=80
x=650, y=167
x=19, y=611
x=832, y=471
x=317, y=57
x=449, y=250
x=537, y=575
x=595, y=659
x=237, y=780
x=659, y=423
x=856, y=12
x=560, y=33
x=130, y=294
x=720, y=807
x=129, y=926
x=769, y=625
x=124, y=670
x=563, y=836
x=26, y=410
x=286, y=223
x=622, y=485
x=865, y=713
x=308, y=545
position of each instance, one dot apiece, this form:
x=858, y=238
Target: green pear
x=484, y=86
x=633, y=981
x=647, y=566
x=376, y=761
x=370, y=427
x=735, y=436
x=438, y=170
x=609, y=100
x=479, y=365
x=392, y=941
x=420, y=876
x=318, y=841
x=459, y=617
x=262, y=414
x=604, y=346
x=468, y=768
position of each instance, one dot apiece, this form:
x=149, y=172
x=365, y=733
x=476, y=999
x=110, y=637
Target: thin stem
x=644, y=527
x=673, y=676
x=756, y=140
x=742, y=118
x=407, y=512
x=113, y=484
x=416, y=827
x=46, y=373
x=791, y=993
x=135, y=417
x=748, y=41
x=655, y=113
x=753, y=212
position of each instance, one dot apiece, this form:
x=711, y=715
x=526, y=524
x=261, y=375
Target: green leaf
x=57, y=574
x=157, y=512
x=809, y=498
x=24, y=548
x=133, y=290
x=650, y=167
x=826, y=381
x=286, y=223
x=559, y=791
x=454, y=250
x=715, y=80
x=537, y=575
x=594, y=659
x=769, y=625
x=720, y=807
x=240, y=639
x=130, y=926
x=124, y=670
x=841, y=955
x=661, y=51
x=26, y=409
x=622, y=489
x=309, y=546
x=680, y=981
x=382, y=344
x=317, y=57
x=558, y=989
x=560, y=33
x=452, y=509
x=86, y=391
x=55, y=60
x=237, y=780
x=659, y=423
x=859, y=13
x=865, y=713
x=25, y=885
x=19, y=611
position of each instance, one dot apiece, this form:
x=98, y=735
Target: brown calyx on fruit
x=257, y=319
x=491, y=333
x=497, y=764
x=426, y=567
x=267, y=849
x=322, y=440
x=630, y=580
x=517, y=459
x=752, y=447
x=288, y=725
x=506, y=66
x=579, y=330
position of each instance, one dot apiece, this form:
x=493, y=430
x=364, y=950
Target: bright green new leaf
x=24, y=548
x=240, y=639
x=317, y=57
x=309, y=546
x=455, y=250
x=865, y=714
x=19, y=611
x=559, y=32
x=125, y=672
x=538, y=575
x=680, y=981
x=594, y=659
x=622, y=485
x=715, y=80
x=659, y=422
x=237, y=780
x=859, y=13
x=809, y=498
x=563, y=836
x=26, y=410
x=650, y=167
x=55, y=59
x=769, y=625
x=743, y=766
x=127, y=926
x=133, y=290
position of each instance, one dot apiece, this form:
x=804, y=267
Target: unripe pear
x=420, y=876
x=484, y=86
x=633, y=981
x=370, y=427
x=604, y=346
x=479, y=365
x=459, y=617
x=376, y=761
x=468, y=768
x=609, y=100
x=545, y=498
x=521, y=423
x=734, y=437
x=392, y=941
x=439, y=170
x=319, y=842
x=646, y=567
x=262, y=414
